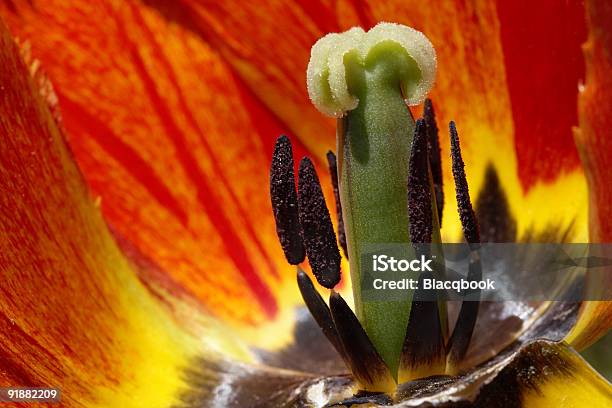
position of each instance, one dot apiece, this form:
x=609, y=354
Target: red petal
x=544, y=64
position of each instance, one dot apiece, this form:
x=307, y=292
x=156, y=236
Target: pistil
x=365, y=79
x=387, y=182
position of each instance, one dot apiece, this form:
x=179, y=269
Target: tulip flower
x=140, y=264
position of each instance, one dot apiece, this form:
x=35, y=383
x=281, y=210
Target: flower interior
x=387, y=183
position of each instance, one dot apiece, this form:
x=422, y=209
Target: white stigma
x=326, y=75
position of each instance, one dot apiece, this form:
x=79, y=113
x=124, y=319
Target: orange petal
x=73, y=314
x=593, y=135
x=593, y=140
x=174, y=144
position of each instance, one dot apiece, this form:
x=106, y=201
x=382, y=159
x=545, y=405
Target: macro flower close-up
x=192, y=193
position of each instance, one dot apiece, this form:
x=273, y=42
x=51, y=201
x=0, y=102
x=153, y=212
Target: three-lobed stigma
x=337, y=56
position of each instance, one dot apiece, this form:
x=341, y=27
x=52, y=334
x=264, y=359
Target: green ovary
x=374, y=143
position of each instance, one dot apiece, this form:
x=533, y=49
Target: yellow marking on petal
x=562, y=203
x=157, y=353
x=406, y=374
x=151, y=346
x=279, y=333
x=156, y=348
x=584, y=387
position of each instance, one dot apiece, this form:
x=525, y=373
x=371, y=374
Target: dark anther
x=284, y=201
x=419, y=190
x=493, y=212
x=434, y=154
x=466, y=213
x=364, y=361
x=317, y=230
x=466, y=321
x=333, y=172
x=319, y=310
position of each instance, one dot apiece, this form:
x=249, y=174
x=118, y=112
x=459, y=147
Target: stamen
x=317, y=230
x=466, y=213
x=333, y=172
x=466, y=321
x=423, y=350
x=284, y=201
x=319, y=310
x=435, y=161
x=493, y=211
x=365, y=363
x=459, y=341
x=419, y=192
